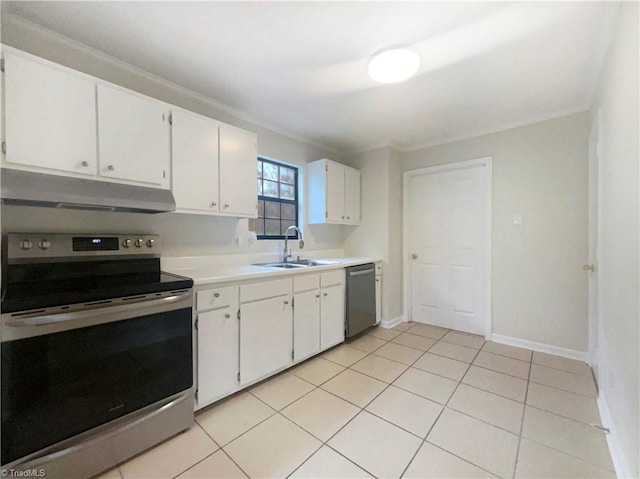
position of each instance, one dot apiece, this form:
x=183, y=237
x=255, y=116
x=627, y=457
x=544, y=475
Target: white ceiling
x=302, y=66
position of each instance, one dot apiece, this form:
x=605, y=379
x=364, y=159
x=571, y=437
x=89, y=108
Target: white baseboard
x=620, y=462
x=388, y=324
x=540, y=347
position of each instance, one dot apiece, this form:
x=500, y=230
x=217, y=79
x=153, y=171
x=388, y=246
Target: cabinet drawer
x=332, y=277
x=216, y=298
x=378, y=268
x=265, y=289
x=306, y=282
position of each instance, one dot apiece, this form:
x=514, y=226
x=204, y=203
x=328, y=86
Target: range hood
x=38, y=189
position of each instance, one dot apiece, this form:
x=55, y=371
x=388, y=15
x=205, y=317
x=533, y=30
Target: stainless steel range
x=96, y=352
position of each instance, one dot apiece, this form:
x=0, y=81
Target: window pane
x=270, y=188
x=288, y=212
x=287, y=192
x=287, y=175
x=272, y=227
x=270, y=171
x=271, y=209
x=260, y=227
x=285, y=225
x=261, y=208
x=259, y=169
x=259, y=187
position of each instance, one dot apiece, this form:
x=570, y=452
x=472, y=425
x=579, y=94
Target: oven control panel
x=23, y=246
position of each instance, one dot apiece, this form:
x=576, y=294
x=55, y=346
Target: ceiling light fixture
x=393, y=65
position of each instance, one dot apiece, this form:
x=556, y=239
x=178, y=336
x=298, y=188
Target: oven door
x=69, y=372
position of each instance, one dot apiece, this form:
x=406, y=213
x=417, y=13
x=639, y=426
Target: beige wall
x=540, y=171
x=183, y=235
x=617, y=104
x=380, y=229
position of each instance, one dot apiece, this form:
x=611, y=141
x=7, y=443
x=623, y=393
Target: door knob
x=414, y=256
x=589, y=267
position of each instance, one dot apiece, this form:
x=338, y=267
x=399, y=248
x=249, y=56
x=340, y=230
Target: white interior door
x=448, y=248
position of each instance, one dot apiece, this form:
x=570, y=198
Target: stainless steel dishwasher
x=360, y=298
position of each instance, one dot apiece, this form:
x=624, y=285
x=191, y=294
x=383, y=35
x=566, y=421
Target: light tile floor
x=415, y=401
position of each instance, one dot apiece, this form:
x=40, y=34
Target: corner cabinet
x=334, y=193
x=214, y=166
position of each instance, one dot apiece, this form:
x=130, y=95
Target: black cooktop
x=28, y=287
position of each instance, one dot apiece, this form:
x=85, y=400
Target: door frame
x=595, y=237
x=487, y=163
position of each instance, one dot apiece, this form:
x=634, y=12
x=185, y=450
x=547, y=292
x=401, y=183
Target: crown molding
x=31, y=27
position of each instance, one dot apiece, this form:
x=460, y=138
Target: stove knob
x=126, y=243
x=26, y=244
x=139, y=243
x=150, y=243
x=44, y=244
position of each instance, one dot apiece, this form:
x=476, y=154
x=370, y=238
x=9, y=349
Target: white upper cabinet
x=194, y=162
x=50, y=117
x=334, y=193
x=238, y=166
x=133, y=137
x=352, y=195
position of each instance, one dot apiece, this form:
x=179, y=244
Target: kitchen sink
x=300, y=263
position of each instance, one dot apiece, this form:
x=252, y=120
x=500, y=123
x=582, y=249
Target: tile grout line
x=524, y=410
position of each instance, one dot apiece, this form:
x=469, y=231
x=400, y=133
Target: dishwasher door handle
x=358, y=273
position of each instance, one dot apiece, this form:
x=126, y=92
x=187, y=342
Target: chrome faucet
x=286, y=254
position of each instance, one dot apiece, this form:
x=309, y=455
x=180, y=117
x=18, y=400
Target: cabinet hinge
x=164, y=174
x=326, y=214
x=196, y=394
x=238, y=376
x=4, y=147
x=171, y=118
x=2, y=65
x=292, y=354
x=196, y=324
x=238, y=317
x=293, y=303
x=326, y=167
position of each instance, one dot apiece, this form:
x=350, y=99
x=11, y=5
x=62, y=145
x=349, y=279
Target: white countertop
x=213, y=269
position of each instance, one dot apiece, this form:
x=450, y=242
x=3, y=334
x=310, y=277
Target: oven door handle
x=38, y=319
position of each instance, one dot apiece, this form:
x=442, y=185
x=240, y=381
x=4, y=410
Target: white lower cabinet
x=331, y=308
x=378, y=292
x=306, y=316
x=218, y=354
x=266, y=329
x=218, y=343
x=248, y=331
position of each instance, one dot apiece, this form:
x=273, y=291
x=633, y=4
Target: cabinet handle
x=343, y=217
x=85, y=164
x=286, y=302
x=227, y=315
x=348, y=217
x=326, y=294
x=214, y=204
x=216, y=295
x=111, y=167
x=226, y=205
x=317, y=295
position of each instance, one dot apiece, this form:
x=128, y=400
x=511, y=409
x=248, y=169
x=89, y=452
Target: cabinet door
x=194, y=174
x=335, y=192
x=352, y=195
x=50, y=117
x=306, y=324
x=266, y=337
x=332, y=316
x=378, y=298
x=133, y=136
x=238, y=166
x=218, y=354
